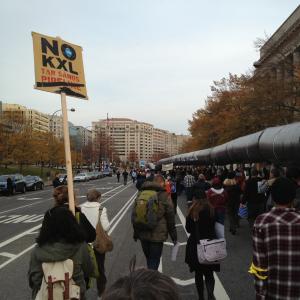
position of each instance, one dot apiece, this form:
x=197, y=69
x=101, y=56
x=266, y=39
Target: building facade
x=38, y=121
x=127, y=137
x=19, y=115
x=85, y=136
x=56, y=126
x=280, y=55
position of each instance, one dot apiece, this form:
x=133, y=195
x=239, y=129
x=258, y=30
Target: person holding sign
x=59, y=69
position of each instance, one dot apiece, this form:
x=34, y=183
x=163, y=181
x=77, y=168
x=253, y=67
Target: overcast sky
x=150, y=60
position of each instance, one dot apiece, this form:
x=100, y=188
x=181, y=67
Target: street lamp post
x=51, y=136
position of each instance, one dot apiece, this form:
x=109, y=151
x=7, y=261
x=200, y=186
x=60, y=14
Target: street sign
x=58, y=66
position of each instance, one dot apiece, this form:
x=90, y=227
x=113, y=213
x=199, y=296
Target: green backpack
x=144, y=214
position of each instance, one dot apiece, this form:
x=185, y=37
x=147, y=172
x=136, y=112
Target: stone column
x=296, y=63
x=279, y=72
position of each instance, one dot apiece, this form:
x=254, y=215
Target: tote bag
x=103, y=242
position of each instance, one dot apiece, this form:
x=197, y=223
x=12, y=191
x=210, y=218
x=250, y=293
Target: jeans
x=152, y=251
x=220, y=216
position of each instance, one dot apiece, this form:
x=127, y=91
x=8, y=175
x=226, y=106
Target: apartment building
x=128, y=136
x=84, y=135
x=56, y=126
x=160, y=139
x=18, y=115
x=37, y=120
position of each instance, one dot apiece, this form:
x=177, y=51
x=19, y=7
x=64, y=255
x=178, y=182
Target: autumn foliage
x=20, y=145
x=243, y=104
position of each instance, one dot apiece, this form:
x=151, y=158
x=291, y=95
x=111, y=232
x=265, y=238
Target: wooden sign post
x=59, y=69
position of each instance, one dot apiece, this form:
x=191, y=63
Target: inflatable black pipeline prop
x=278, y=145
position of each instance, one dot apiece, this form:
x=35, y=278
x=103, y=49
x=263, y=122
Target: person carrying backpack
x=60, y=261
x=153, y=219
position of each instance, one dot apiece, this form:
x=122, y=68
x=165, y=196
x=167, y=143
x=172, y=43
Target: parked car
x=90, y=175
x=19, y=184
x=107, y=172
x=81, y=177
x=98, y=174
x=34, y=183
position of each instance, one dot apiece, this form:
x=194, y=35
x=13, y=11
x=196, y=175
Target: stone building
x=280, y=55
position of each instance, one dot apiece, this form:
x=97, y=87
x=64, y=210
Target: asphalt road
x=21, y=217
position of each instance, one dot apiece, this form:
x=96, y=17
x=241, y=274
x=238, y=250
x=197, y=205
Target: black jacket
x=255, y=202
x=206, y=230
x=86, y=226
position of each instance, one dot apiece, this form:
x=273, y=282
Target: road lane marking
x=186, y=283
x=20, y=235
x=172, y=244
x=182, y=219
x=123, y=210
x=160, y=265
x=130, y=202
x=6, y=254
x=114, y=194
x=23, y=206
x=28, y=199
x=21, y=219
x=38, y=202
x=17, y=256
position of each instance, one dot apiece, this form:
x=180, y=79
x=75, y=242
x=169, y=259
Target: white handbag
x=211, y=251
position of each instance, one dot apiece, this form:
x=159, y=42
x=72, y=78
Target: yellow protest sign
x=58, y=66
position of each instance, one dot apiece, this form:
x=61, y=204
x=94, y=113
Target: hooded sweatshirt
x=91, y=211
x=55, y=252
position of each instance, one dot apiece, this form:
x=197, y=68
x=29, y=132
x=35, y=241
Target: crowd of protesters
x=269, y=198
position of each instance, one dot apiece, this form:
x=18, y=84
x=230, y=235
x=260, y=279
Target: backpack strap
x=77, y=216
x=67, y=286
x=100, y=213
x=50, y=288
